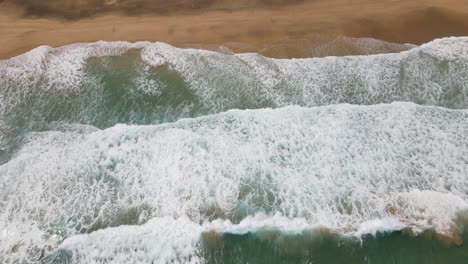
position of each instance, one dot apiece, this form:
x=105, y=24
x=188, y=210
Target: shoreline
x=395, y=21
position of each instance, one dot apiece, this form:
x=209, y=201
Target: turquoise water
x=394, y=247
x=145, y=153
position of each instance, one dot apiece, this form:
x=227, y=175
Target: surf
x=122, y=152
x=336, y=166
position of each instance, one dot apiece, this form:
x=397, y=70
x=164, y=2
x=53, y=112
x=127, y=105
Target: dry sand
x=255, y=23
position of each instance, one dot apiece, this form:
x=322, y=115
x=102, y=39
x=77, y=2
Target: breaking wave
x=125, y=153
x=348, y=168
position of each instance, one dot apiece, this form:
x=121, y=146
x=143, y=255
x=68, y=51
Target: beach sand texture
x=27, y=24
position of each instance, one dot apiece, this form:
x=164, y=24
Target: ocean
x=117, y=152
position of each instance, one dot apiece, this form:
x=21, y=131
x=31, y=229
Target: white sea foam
x=433, y=74
x=148, y=193
x=169, y=240
x=449, y=48
x=160, y=240
x=375, y=226
x=340, y=167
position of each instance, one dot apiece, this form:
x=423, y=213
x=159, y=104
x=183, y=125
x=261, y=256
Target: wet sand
x=247, y=25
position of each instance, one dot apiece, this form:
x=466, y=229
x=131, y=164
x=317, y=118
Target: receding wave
x=163, y=193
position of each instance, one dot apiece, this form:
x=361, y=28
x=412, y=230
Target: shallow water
x=383, y=248
x=146, y=153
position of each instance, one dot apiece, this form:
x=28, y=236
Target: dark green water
x=390, y=248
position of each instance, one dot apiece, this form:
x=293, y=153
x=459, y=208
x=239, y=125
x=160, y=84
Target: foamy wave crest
x=81, y=81
x=350, y=169
x=106, y=83
x=160, y=240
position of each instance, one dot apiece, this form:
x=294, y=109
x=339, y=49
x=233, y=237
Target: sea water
x=147, y=153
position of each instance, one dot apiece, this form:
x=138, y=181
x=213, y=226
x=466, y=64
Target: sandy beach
x=251, y=25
